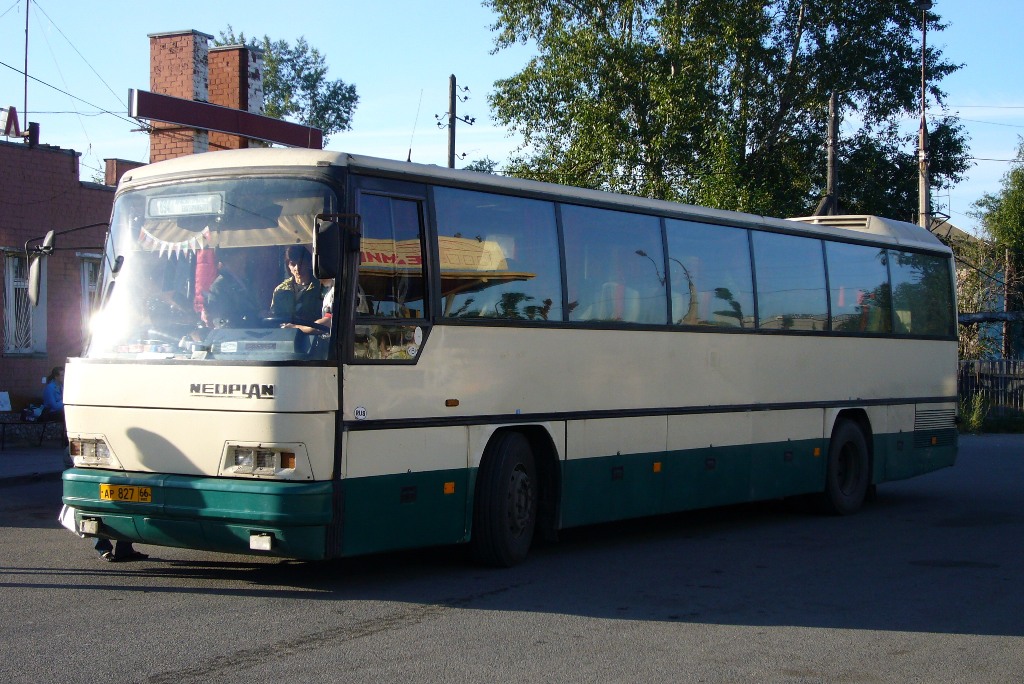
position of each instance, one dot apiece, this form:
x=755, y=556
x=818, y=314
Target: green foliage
x=485, y=165
x=295, y=84
x=979, y=286
x=1002, y=214
x=1002, y=217
x=723, y=102
x=973, y=411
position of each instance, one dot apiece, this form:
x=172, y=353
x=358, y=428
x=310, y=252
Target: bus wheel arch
x=513, y=496
x=549, y=479
x=849, y=464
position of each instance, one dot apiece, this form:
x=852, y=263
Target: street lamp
x=924, y=189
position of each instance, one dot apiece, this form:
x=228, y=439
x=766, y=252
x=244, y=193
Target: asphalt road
x=925, y=585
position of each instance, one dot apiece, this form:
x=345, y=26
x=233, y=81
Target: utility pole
x=829, y=204
x=924, y=215
x=452, y=117
x=452, y=100
x=832, y=174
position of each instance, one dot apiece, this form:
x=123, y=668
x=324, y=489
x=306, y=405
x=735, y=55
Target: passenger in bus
x=229, y=303
x=326, y=312
x=206, y=273
x=300, y=297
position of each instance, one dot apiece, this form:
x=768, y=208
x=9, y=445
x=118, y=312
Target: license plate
x=109, y=492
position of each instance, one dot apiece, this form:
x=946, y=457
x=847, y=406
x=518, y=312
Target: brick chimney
x=115, y=168
x=178, y=66
x=236, y=81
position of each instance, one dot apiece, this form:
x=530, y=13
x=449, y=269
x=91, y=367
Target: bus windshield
x=215, y=269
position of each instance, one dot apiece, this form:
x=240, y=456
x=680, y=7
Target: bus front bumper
x=268, y=517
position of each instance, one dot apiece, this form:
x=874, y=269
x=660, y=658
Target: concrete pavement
x=20, y=463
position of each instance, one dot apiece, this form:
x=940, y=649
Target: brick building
x=40, y=191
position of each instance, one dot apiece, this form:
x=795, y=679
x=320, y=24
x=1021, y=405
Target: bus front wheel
x=848, y=471
x=505, y=506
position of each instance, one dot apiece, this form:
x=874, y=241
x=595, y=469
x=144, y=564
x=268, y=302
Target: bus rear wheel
x=848, y=471
x=505, y=506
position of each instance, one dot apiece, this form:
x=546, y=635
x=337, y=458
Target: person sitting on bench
x=53, y=397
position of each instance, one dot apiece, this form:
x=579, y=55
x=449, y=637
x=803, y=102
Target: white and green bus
x=502, y=359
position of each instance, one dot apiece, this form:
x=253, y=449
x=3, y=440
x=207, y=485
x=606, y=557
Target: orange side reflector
x=935, y=440
x=287, y=459
x=451, y=403
x=449, y=487
x=657, y=466
x=817, y=452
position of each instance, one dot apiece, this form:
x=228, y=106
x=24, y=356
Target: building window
x=24, y=325
x=90, y=281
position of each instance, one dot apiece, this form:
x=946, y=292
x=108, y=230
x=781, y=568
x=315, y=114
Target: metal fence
x=1000, y=383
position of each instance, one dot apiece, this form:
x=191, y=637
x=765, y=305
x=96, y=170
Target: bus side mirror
x=35, y=268
x=326, y=249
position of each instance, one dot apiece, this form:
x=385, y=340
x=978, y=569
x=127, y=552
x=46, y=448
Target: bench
x=11, y=422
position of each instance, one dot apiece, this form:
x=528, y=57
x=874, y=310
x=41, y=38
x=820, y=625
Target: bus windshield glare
x=217, y=269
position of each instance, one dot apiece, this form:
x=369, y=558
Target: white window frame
x=18, y=313
x=91, y=274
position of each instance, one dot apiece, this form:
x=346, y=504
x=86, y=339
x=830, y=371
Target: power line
x=116, y=96
x=38, y=111
x=994, y=123
x=64, y=92
x=8, y=10
x=60, y=73
x=1015, y=159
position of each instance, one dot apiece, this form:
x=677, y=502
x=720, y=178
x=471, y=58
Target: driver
x=300, y=297
x=326, y=315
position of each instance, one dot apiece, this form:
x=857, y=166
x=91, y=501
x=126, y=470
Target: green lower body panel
x=215, y=514
x=907, y=454
x=314, y=520
x=406, y=510
x=617, y=487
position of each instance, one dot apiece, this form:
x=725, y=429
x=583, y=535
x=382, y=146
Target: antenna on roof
x=409, y=157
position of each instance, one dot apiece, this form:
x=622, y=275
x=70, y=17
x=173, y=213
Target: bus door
x=405, y=482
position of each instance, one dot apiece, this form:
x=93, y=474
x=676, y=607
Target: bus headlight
x=91, y=452
x=287, y=462
x=242, y=458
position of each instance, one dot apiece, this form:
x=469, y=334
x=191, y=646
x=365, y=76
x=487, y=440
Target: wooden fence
x=1000, y=383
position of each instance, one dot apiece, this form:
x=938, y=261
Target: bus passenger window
x=711, y=277
x=499, y=256
x=859, y=288
x=922, y=294
x=790, y=274
x=614, y=266
x=391, y=278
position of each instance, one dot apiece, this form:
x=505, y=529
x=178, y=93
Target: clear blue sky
x=399, y=54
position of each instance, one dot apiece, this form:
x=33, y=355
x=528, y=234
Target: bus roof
x=856, y=228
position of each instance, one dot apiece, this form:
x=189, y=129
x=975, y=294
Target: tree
x=295, y=84
x=979, y=288
x=724, y=102
x=1002, y=217
x=485, y=165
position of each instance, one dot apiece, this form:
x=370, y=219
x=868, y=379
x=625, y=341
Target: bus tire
x=848, y=470
x=505, y=506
